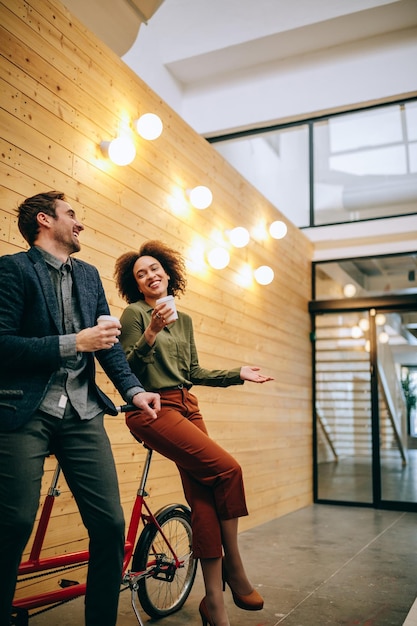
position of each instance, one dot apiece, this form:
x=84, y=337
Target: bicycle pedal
x=165, y=572
x=64, y=582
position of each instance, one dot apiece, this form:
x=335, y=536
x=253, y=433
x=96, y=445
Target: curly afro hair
x=171, y=260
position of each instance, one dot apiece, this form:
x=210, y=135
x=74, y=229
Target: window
x=277, y=164
x=365, y=277
x=363, y=165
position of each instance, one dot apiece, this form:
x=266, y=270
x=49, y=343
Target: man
x=49, y=336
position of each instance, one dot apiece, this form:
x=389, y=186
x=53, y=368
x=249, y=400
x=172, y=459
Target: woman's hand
x=159, y=316
x=157, y=322
x=252, y=373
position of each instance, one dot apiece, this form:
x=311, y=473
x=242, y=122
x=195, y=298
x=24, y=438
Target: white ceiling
x=205, y=57
x=200, y=39
x=230, y=65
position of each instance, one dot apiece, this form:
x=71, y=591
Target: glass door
x=365, y=396
x=396, y=360
x=343, y=447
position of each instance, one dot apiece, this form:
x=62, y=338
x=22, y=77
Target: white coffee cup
x=107, y=318
x=171, y=303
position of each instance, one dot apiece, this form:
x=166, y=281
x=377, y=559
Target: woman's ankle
x=236, y=577
x=217, y=609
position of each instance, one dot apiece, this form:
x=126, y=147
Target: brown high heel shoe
x=252, y=601
x=204, y=614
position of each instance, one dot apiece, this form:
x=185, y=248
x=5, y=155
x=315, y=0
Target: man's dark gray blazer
x=30, y=329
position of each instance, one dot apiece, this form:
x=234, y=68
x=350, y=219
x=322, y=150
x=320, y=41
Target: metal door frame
x=384, y=304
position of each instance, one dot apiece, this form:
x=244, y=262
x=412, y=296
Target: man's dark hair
x=29, y=209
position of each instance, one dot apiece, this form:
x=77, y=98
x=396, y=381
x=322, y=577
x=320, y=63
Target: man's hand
x=103, y=336
x=149, y=402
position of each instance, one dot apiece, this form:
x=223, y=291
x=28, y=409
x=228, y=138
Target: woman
x=164, y=357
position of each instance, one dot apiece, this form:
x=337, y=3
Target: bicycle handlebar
x=126, y=407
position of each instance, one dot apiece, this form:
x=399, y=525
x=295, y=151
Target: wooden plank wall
x=63, y=92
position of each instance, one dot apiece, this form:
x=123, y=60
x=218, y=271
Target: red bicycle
x=163, y=568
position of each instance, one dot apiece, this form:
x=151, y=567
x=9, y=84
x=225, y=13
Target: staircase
x=343, y=395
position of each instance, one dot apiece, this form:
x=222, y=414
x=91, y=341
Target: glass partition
x=277, y=164
x=365, y=165
x=366, y=276
x=347, y=167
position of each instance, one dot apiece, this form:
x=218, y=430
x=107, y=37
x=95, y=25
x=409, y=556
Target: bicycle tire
x=159, y=597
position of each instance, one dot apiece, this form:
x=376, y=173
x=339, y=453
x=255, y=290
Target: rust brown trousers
x=211, y=477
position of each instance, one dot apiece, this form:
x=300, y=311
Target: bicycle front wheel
x=161, y=595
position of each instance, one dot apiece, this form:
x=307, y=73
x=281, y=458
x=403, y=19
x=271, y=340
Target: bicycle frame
x=35, y=563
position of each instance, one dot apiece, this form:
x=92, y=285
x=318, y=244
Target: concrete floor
x=322, y=565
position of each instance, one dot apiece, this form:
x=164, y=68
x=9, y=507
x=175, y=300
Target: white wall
x=345, y=76
x=341, y=77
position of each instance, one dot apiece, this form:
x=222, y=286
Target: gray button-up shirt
x=70, y=382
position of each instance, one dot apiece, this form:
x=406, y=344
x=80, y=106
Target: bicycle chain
x=57, y=604
x=51, y=572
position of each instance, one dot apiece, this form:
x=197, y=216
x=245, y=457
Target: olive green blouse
x=173, y=359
